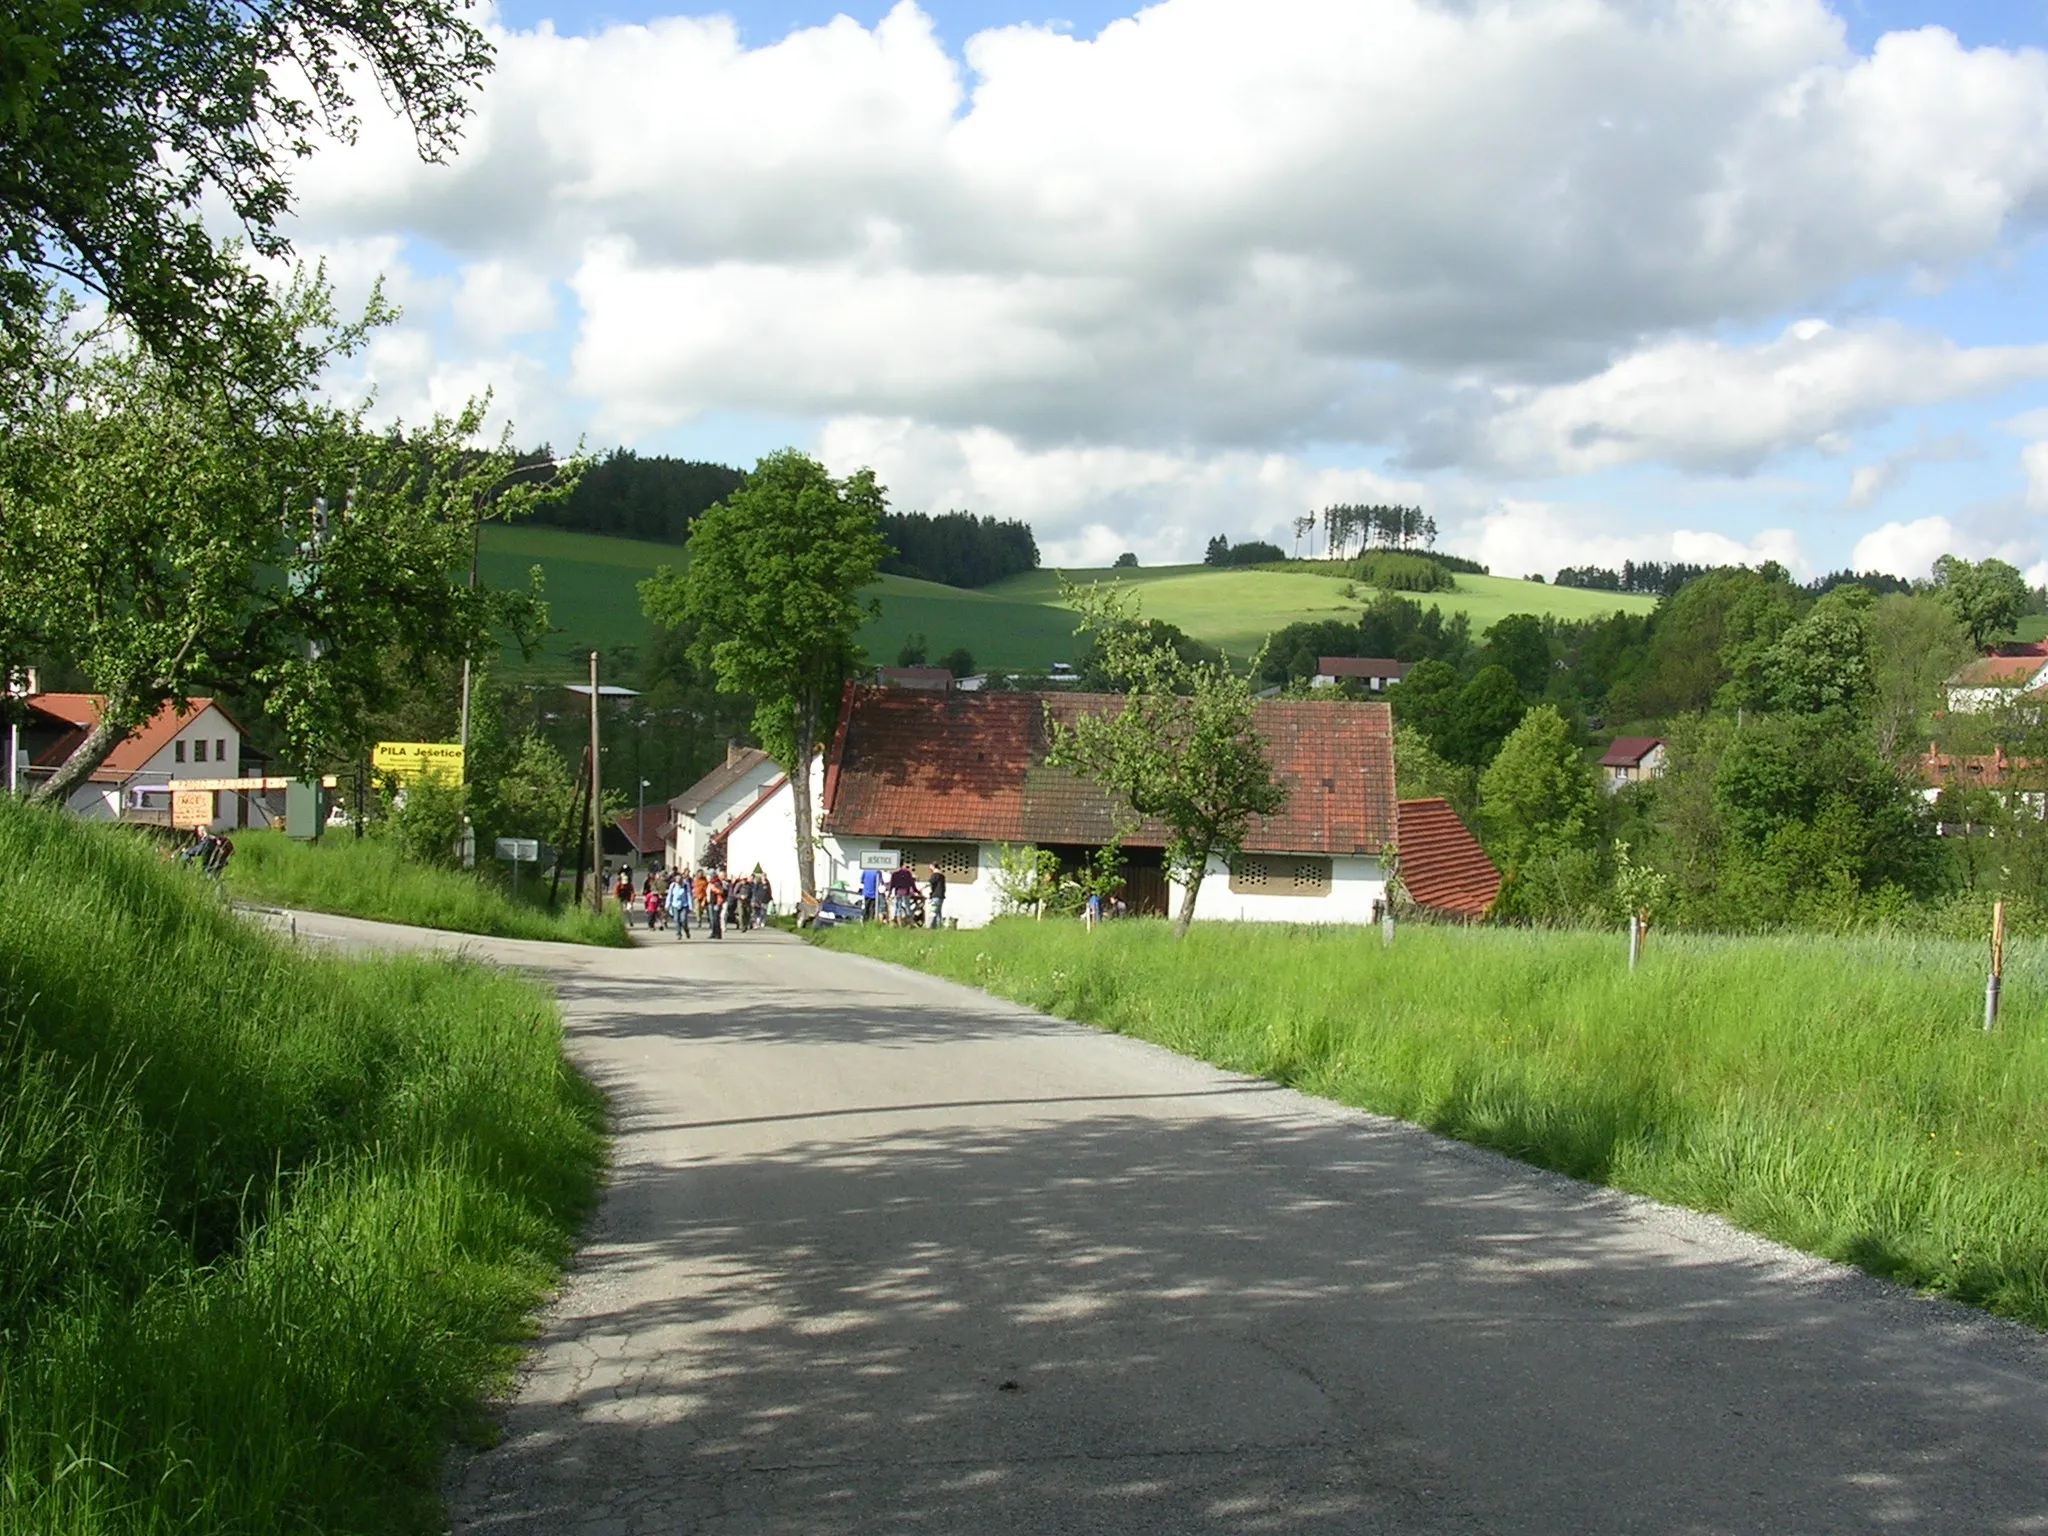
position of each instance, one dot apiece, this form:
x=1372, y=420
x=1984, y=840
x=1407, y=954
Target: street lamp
x=640, y=812
x=476, y=535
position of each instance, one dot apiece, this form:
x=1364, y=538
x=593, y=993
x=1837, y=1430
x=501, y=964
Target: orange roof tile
x=971, y=767
x=1442, y=865
x=82, y=711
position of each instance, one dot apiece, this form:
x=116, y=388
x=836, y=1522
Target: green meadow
x=1837, y=1094
x=1016, y=625
x=271, y=1222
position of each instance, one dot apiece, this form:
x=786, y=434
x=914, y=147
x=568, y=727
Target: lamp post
x=607, y=691
x=640, y=814
x=476, y=535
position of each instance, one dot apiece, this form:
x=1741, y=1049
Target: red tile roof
x=1442, y=865
x=82, y=711
x=971, y=767
x=645, y=829
x=1627, y=751
x=1999, y=672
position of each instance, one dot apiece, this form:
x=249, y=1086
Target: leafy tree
x=1518, y=643
x=1127, y=561
x=773, y=595
x=119, y=124
x=1538, y=797
x=1420, y=774
x=1752, y=625
x=168, y=539
x=1685, y=669
x=535, y=792
x=1096, y=666
x=1487, y=712
x=959, y=661
x=913, y=651
x=1181, y=749
x=1427, y=700
x=1987, y=598
x=1823, y=661
x=1915, y=645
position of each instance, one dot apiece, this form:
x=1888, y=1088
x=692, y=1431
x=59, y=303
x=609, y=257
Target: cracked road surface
x=881, y=1254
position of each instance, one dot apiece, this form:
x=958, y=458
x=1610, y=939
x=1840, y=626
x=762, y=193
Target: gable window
x=1268, y=874
x=960, y=861
x=178, y=750
x=199, y=750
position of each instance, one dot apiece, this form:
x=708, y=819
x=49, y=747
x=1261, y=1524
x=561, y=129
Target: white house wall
x=1356, y=888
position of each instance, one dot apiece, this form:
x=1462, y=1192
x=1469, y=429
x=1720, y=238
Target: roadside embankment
x=1837, y=1094
x=270, y=1222
x=368, y=877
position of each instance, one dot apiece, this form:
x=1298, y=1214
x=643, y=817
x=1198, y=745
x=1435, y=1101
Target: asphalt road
x=881, y=1254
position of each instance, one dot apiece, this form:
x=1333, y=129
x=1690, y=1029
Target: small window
x=220, y=749
x=960, y=861
x=199, y=750
x=178, y=750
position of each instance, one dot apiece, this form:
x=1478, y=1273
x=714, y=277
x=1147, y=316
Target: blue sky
x=1637, y=280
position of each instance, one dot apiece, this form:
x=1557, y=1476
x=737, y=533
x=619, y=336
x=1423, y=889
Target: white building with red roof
x=1993, y=682
x=195, y=740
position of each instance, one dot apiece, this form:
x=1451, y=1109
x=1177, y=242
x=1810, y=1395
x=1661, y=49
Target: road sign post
x=517, y=851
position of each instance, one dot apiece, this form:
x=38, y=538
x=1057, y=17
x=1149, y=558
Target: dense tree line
x=1221, y=551
x=957, y=549
x=624, y=495
x=1796, y=720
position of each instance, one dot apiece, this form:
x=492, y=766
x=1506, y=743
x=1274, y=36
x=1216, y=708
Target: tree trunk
x=800, y=800
x=1187, y=900
x=98, y=745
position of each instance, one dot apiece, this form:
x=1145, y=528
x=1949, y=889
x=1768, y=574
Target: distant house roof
x=1938, y=769
x=1362, y=666
x=645, y=830
x=914, y=677
x=1628, y=751
x=81, y=712
x=740, y=763
x=2022, y=648
x=971, y=766
x=1999, y=672
x=1443, y=867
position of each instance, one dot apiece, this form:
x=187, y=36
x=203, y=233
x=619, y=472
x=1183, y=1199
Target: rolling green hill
x=1015, y=625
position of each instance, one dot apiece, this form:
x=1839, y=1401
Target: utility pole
x=596, y=801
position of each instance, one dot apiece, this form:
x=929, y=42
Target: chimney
x=733, y=748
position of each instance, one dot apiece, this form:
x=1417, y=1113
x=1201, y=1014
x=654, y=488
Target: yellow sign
x=191, y=807
x=407, y=761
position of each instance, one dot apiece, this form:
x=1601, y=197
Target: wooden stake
x=1635, y=938
x=1997, y=977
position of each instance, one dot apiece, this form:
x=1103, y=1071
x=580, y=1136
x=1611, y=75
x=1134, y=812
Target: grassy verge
x=367, y=878
x=270, y=1223
x=1837, y=1094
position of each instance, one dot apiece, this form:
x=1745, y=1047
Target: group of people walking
x=708, y=898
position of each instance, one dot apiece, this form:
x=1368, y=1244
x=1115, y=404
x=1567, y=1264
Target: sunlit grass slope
x=1237, y=609
x=1838, y=1094
x=367, y=878
x=591, y=586
x=270, y=1221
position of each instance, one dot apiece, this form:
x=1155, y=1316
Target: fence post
x=1635, y=939
x=1992, y=983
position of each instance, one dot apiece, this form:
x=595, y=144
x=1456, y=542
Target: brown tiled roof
x=1999, y=672
x=1627, y=751
x=82, y=711
x=1361, y=666
x=645, y=829
x=970, y=767
x=739, y=762
x=1442, y=864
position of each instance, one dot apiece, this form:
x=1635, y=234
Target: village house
x=1631, y=760
x=949, y=780
x=2016, y=781
x=1374, y=674
x=703, y=810
x=1991, y=683
x=198, y=740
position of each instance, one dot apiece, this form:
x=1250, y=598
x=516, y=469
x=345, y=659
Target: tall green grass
x=367, y=877
x=1837, y=1094
x=270, y=1222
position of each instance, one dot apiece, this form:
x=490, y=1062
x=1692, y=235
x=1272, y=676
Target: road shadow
x=1111, y=1315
